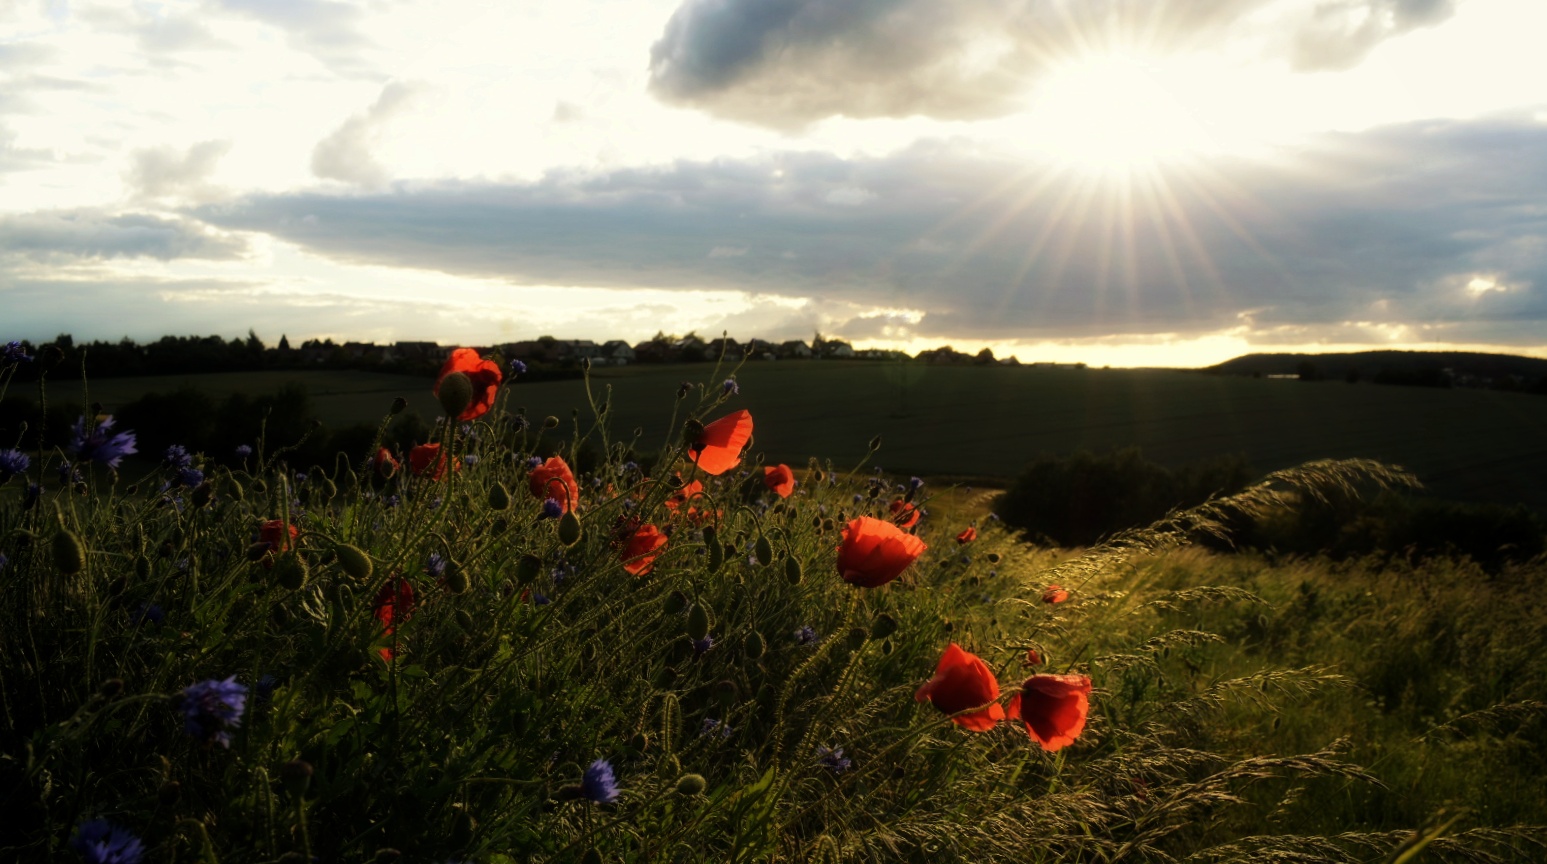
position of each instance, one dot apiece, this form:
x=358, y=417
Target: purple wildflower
x=147, y=612
x=833, y=759
x=242, y=451
x=101, y=842
x=540, y=599
x=471, y=459
x=12, y=462
x=805, y=635
x=517, y=367
x=178, y=456
x=212, y=708
x=702, y=646
x=533, y=463
x=599, y=784
x=713, y=728
x=13, y=353
x=730, y=387
x=684, y=389
x=552, y=509
x=518, y=423
x=29, y=499
x=435, y=565
x=3, y=561
x=94, y=445
x=190, y=476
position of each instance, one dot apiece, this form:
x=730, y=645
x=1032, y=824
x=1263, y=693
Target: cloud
x=1339, y=34
x=327, y=30
x=94, y=234
x=346, y=155
x=992, y=249
x=165, y=172
x=787, y=63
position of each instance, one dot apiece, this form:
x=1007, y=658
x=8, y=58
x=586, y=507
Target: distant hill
x=1432, y=368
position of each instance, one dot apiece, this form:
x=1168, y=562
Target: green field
x=986, y=422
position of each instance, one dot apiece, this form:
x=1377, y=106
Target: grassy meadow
x=440, y=665
x=987, y=422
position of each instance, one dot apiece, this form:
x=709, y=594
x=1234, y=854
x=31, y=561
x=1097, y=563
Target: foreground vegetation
x=468, y=657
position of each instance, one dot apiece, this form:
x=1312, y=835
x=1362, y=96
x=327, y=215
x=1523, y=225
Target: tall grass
x=465, y=729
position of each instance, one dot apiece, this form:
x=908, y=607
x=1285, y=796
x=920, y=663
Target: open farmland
x=986, y=422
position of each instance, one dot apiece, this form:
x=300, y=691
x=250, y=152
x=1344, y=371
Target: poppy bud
x=462, y=827
x=698, y=622
x=398, y=405
x=296, y=775
x=387, y=856
x=857, y=637
x=256, y=551
x=141, y=566
x=500, y=525
x=691, y=784
x=527, y=567
x=290, y=571
x=464, y=620
x=692, y=429
x=260, y=487
x=354, y=561
x=792, y=570
x=202, y=494
x=569, y=792
x=591, y=856
x=234, y=489
x=667, y=676
x=725, y=693
x=69, y=553
x=279, y=615
x=875, y=444
x=499, y=497
x=884, y=626
x=169, y=792
x=569, y=528
x=23, y=538
x=754, y=645
x=329, y=489
x=550, y=422
x=763, y=550
x=456, y=578
x=111, y=688
x=455, y=391
x=674, y=603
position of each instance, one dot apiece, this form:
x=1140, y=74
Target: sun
x=1114, y=113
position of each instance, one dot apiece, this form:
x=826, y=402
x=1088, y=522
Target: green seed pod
x=875, y=444
x=69, y=553
x=550, y=422
x=569, y=529
x=698, y=621
x=354, y=561
x=674, y=603
x=792, y=570
x=715, y=551
x=329, y=489
x=499, y=497
x=141, y=567
x=290, y=571
x=691, y=784
x=857, y=637
x=233, y=488
x=455, y=392
x=456, y=578
x=527, y=568
x=883, y=626
x=763, y=550
x=464, y=620
x=260, y=487
x=725, y=692
x=754, y=645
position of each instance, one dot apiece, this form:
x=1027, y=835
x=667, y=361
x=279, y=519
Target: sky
x=1115, y=182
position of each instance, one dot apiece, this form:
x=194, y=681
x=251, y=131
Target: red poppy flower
x=428, y=460
x=553, y=479
x=968, y=535
x=780, y=479
x=393, y=603
x=1032, y=658
x=718, y=448
x=1054, y=594
x=385, y=464
x=273, y=533
x=875, y=552
x=642, y=548
x=682, y=496
x=485, y=375
x=1053, y=708
x=963, y=681
x=904, y=514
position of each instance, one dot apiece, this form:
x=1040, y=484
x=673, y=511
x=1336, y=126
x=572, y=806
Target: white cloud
x=347, y=154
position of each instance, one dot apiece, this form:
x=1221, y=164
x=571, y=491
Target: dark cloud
x=90, y=234
x=1339, y=34
x=788, y=63
x=1385, y=227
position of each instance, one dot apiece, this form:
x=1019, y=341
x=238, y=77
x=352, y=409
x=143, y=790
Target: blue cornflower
x=915, y=484
x=561, y=572
x=14, y=353
x=242, y=451
x=684, y=389
x=471, y=459
x=540, y=599
x=518, y=423
x=630, y=466
x=730, y=387
x=3, y=561
x=833, y=759
x=713, y=728
x=148, y=612
x=552, y=509
x=190, y=476
x=178, y=456
x=534, y=462
x=599, y=784
x=301, y=478
x=805, y=635
x=12, y=462
x=31, y=496
x=702, y=646
x=517, y=367
x=101, y=842
x=264, y=689
x=212, y=708
x=67, y=474
x=392, y=501
x=435, y=565
x=858, y=498
x=94, y=445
